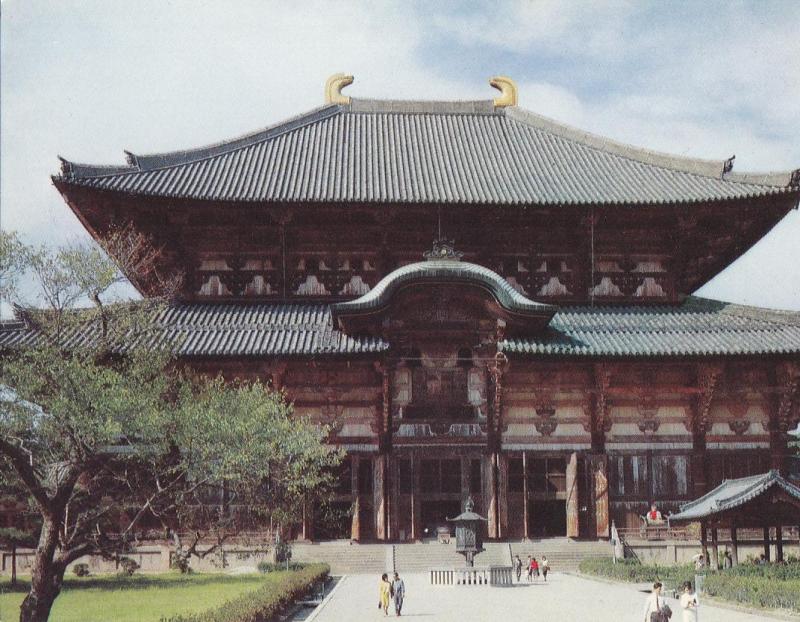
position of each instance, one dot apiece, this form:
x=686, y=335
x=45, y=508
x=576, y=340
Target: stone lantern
x=469, y=532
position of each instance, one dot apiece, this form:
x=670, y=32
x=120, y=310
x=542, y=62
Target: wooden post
x=766, y=544
x=492, y=513
x=779, y=543
x=600, y=469
x=415, y=508
x=525, y=508
x=355, y=523
x=379, y=495
x=704, y=540
x=572, y=496
x=394, y=498
x=502, y=495
x=714, y=549
x=734, y=545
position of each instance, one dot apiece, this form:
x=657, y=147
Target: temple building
x=480, y=301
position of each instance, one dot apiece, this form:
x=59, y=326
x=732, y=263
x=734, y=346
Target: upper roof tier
x=472, y=152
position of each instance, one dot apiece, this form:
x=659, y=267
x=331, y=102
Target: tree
x=109, y=436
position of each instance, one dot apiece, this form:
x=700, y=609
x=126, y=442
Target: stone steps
x=423, y=556
x=346, y=558
x=561, y=553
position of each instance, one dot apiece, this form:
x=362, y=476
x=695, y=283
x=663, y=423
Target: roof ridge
x=423, y=106
x=702, y=167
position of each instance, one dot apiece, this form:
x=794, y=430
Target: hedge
x=770, y=586
x=265, y=603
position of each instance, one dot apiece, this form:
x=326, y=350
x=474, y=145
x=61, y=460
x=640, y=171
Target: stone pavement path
x=564, y=598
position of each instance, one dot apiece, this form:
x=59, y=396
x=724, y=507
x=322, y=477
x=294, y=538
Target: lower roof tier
x=699, y=327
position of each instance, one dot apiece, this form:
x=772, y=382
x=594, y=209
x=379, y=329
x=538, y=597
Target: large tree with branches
x=109, y=436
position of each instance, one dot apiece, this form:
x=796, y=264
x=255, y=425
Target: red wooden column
x=355, y=523
x=379, y=495
x=502, y=494
x=491, y=480
x=600, y=471
x=525, y=502
x=415, y=506
x=308, y=522
x=572, y=496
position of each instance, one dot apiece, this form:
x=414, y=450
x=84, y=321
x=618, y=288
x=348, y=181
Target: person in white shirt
x=689, y=603
x=654, y=602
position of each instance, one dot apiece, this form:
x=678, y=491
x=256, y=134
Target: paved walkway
x=564, y=598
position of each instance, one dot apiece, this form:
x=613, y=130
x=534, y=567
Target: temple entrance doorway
x=434, y=514
x=547, y=496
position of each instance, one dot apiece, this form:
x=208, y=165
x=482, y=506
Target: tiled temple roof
x=427, y=152
x=733, y=493
x=698, y=328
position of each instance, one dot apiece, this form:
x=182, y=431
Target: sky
x=87, y=79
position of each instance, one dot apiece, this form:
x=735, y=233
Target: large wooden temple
x=481, y=301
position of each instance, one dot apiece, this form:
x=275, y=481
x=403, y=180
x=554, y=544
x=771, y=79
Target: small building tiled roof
x=733, y=493
x=426, y=152
x=699, y=327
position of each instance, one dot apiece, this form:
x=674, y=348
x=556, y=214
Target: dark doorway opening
x=548, y=519
x=434, y=514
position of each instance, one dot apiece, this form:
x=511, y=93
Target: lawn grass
x=139, y=598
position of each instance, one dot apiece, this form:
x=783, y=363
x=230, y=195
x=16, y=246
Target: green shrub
x=272, y=567
x=80, y=570
x=263, y=604
x=128, y=566
x=772, y=586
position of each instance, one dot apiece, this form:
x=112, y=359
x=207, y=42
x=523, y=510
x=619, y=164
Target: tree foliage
x=111, y=438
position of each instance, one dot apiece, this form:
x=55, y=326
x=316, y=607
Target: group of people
x=391, y=590
x=656, y=608
x=534, y=568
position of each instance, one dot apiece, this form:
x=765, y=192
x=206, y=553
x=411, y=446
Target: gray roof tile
x=699, y=327
x=432, y=152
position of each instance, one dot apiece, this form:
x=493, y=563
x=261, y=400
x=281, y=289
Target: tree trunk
x=46, y=578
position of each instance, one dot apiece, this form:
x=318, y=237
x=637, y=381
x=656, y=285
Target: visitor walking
x=530, y=568
x=545, y=567
x=518, y=568
x=384, y=593
x=689, y=603
x=535, y=568
x=654, y=605
x=399, y=589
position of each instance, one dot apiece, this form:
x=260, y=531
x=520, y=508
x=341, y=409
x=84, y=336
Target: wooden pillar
x=734, y=545
x=492, y=515
x=502, y=495
x=600, y=469
x=525, y=502
x=355, y=524
x=703, y=540
x=394, y=497
x=767, y=553
x=572, y=496
x=415, y=507
x=714, y=549
x=379, y=495
x=779, y=543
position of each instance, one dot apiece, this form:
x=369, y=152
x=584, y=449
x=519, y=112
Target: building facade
x=551, y=363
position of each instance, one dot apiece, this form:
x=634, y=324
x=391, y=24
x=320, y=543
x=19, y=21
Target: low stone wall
x=151, y=558
x=491, y=575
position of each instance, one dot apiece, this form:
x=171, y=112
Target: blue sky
x=86, y=79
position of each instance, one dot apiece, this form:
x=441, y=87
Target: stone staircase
x=563, y=554
x=346, y=558
x=422, y=556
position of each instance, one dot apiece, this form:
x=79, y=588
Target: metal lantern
x=469, y=532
